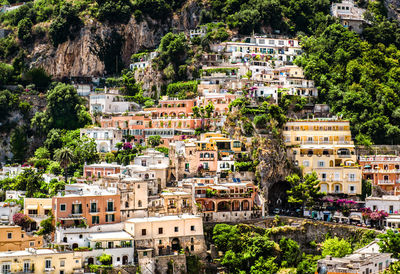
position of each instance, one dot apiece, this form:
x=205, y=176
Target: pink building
x=101, y=170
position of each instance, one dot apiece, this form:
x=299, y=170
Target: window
x=31, y=243
x=337, y=176
x=306, y=163
x=374, y=208
x=62, y=263
x=110, y=206
x=236, y=144
x=110, y=218
x=323, y=176
x=48, y=263
x=186, y=166
x=63, y=207
x=176, y=229
x=9, y=235
x=391, y=209
x=321, y=163
x=143, y=232
x=95, y=220
x=93, y=207
x=352, y=177
x=139, y=203
x=27, y=267
x=352, y=189
x=160, y=230
x=6, y=268
x=192, y=228
x=110, y=244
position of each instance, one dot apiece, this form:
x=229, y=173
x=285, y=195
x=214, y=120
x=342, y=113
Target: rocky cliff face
x=393, y=7
x=74, y=57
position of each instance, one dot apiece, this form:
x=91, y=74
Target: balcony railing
x=386, y=182
x=94, y=210
x=111, y=209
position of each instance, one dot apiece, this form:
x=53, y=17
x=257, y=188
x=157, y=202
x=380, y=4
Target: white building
x=109, y=239
x=350, y=15
x=7, y=211
x=105, y=138
x=198, y=32
x=110, y=103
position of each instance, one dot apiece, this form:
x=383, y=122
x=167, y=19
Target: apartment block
x=382, y=171
x=13, y=238
x=87, y=205
x=325, y=146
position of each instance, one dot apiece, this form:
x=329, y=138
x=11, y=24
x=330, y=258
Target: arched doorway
x=175, y=244
x=245, y=205
x=125, y=260
x=75, y=245
x=223, y=206
x=90, y=260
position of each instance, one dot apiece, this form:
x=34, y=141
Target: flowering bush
x=22, y=220
x=127, y=146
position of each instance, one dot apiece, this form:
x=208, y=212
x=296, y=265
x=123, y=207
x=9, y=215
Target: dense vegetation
x=251, y=249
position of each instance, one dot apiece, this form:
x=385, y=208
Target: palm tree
x=65, y=157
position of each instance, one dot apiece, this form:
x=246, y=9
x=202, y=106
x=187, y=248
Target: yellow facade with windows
x=40, y=261
x=218, y=142
x=325, y=146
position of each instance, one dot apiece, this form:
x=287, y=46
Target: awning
x=72, y=218
x=47, y=207
x=367, y=166
x=32, y=207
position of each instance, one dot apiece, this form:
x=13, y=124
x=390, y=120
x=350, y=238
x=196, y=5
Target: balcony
x=386, y=182
x=111, y=209
x=200, y=195
x=94, y=210
x=76, y=213
x=344, y=155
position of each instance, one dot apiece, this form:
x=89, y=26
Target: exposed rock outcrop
x=75, y=58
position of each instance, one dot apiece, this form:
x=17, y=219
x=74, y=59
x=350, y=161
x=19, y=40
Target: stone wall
x=177, y=262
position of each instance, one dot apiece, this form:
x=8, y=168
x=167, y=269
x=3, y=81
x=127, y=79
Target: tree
x=114, y=11
x=105, y=259
x=119, y=145
x=6, y=72
x=336, y=248
x=390, y=243
x=154, y=140
x=290, y=252
x=25, y=30
x=264, y=266
x=65, y=25
x=42, y=153
x=304, y=192
x=308, y=264
x=64, y=108
x=19, y=144
x=65, y=157
x=47, y=226
x=39, y=77
x=29, y=181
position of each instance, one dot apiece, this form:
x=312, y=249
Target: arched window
x=139, y=203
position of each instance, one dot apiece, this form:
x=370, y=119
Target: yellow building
x=37, y=209
x=40, y=261
x=218, y=142
x=325, y=146
x=13, y=238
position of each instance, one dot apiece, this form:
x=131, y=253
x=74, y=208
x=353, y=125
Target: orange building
x=383, y=171
x=87, y=205
x=13, y=238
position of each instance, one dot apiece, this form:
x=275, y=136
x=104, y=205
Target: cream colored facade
x=40, y=261
x=168, y=234
x=37, y=209
x=325, y=146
